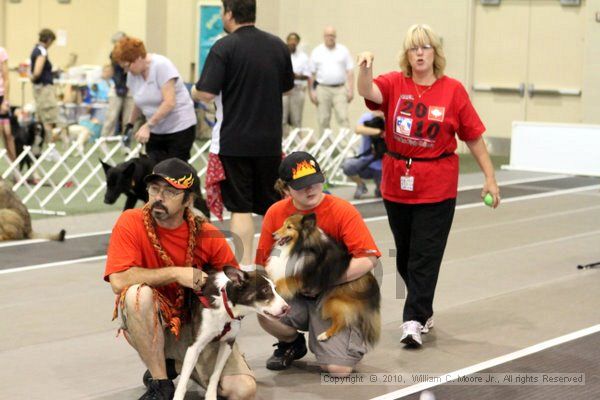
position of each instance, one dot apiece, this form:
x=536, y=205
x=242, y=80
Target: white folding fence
x=71, y=174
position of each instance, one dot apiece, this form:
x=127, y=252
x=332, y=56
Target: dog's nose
x=285, y=309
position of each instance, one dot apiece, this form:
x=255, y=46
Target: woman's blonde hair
x=419, y=35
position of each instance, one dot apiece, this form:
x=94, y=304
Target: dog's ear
x=105, y=166
x=129, y=170
x=309, y=220
x=236, y=275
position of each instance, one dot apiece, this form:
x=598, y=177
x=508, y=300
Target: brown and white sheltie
x=306, y=260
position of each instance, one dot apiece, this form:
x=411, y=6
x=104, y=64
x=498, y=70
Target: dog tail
x=59, y=237
x=371, y=328
x=368, y=293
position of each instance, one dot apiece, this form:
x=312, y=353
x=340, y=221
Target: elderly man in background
x=293, y=103
x=332, y=82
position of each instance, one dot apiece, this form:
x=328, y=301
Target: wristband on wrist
x=198, y=280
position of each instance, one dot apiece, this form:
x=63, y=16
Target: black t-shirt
x=46, y=76
x=248, y=70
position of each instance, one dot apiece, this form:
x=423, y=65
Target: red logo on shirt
x=436, y=113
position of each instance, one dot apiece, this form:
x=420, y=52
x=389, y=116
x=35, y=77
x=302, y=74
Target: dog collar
x=226, y=303
x=206, y=303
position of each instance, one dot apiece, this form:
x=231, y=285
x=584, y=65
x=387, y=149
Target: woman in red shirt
x=425, y=111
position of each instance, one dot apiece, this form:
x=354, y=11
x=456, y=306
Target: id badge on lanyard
x=407, y=181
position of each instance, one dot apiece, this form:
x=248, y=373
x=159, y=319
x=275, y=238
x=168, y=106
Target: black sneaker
x=286, y=353
x=171, y=372
x=159, y=389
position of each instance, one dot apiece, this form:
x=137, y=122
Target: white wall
x=168, y=27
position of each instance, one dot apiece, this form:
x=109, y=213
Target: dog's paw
x=322, y=337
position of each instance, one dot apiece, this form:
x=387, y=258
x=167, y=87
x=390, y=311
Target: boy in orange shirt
x=341, y=221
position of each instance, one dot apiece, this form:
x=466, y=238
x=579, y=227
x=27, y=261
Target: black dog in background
x=33, y=135
x=128, y=178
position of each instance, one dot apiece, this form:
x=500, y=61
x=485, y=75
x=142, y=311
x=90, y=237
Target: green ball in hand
x=488, y=200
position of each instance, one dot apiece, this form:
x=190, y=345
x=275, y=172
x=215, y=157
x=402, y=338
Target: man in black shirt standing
x=246, y=73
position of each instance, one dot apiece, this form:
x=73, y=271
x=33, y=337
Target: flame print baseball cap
x=176, y=173
x=300, y=169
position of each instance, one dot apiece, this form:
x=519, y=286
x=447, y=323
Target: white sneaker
x=361, y=190
x=426, y=395
x=411, y=333
x=428, y=325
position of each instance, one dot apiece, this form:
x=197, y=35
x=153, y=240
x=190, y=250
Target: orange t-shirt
x=336, y=217
x=129, y=246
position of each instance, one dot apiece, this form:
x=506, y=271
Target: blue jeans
x=360, y=166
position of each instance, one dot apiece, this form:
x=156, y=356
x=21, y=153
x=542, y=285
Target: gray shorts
x=346, y=347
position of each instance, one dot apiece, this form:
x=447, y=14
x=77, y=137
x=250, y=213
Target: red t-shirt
x=129, y=246
x=335, y=216
x=424, y=127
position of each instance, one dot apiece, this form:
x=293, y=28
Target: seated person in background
x=99, y=90
x=367, y=165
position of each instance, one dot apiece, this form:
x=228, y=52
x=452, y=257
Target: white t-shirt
x=147, y=95
x=331, y=65
x=301, y=66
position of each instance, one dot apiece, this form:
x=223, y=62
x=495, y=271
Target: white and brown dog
x=226, y=298
x=73, y=132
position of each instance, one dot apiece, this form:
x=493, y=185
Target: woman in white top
x=5, y=132
x=160, y=95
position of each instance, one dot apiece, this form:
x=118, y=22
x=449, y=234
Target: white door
x=528, y=57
